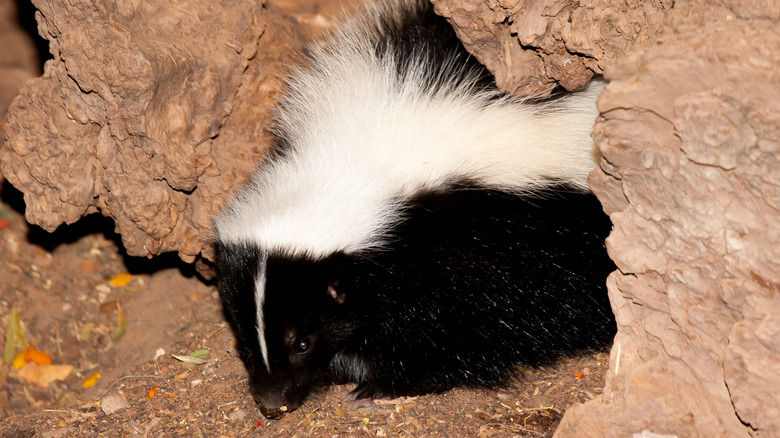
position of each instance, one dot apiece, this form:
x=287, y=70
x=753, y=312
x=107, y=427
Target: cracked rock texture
x=150, y=112
x=690, y=134
x=532, y=45
x=691, y=179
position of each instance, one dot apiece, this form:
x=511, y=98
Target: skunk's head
x=289, y=319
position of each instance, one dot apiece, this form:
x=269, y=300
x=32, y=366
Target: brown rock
x=151, y=113
x=532, y=45
x=690, y=135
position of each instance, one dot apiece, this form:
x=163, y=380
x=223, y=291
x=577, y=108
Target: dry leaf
x=43, y=375
x=192, y=360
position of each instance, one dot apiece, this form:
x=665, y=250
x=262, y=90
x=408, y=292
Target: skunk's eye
x=303, y=345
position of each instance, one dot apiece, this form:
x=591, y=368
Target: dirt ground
x=60, y=284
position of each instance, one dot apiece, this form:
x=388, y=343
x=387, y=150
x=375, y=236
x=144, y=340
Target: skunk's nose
x=273, y=413
x=272, y=407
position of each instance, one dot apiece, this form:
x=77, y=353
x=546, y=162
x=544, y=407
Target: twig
x=518, y=428
x=163, y=377
x=540, y=408
x=406, y=432
x=214, y=332
x=128, y=377
x=119, y=380
x=307, y=416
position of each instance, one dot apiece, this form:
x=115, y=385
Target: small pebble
x=237, y=415
x=112, y=403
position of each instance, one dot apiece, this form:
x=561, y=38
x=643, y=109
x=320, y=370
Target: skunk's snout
x=273, y=407
x=273, y=413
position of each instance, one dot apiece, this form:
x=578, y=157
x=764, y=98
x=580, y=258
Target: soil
x=60, y=285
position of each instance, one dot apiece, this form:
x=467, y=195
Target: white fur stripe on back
x=363, y=141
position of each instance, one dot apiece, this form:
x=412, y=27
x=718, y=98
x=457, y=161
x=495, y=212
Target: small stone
x=237, y=415
x=59, y=433
x=112, y=403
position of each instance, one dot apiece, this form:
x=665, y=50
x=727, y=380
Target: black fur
x=238, y=266
x=421, y=34
x=474, y=282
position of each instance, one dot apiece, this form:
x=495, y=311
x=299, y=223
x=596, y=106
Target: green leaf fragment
x=14, y=337
x=5, y=212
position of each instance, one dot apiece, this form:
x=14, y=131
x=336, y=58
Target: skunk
x=414, y=228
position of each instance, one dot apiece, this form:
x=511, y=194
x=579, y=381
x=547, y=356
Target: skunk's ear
x=336, y=292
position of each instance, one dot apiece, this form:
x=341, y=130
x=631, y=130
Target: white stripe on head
x=259, y=300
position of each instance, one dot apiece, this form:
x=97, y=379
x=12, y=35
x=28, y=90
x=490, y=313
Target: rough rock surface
x=530, y=46
x=150, y=112
x=691, y=179
x=691, y=142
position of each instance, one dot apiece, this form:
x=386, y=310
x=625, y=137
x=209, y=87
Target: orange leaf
x=578, y=375
x=120, y=280
x=19, y=361
x=91, y=380
x=37, y=356
x=3, y=223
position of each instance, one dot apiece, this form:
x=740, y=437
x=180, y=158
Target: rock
x=151, y=113
x=113, y=403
